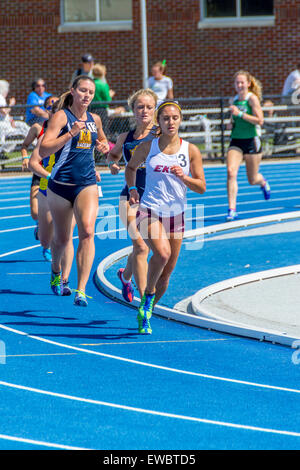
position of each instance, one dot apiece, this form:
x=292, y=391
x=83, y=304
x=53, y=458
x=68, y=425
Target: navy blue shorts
x=66, y=191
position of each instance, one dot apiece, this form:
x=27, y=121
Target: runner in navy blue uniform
x=142, y=103
x=72, y=134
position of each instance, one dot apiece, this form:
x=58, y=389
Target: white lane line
x=38, y=355
x=13, y=207
x=38, y=443
x=160, y=342
x=19, y=251
x=153, y=366
x=17, y=229
x=5, y=193
x=14, y=199
x=151, y=412
x=26, y=274
x=14, y=216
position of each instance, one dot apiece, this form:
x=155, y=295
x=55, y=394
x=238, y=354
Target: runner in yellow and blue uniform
x=72, y=134
x=42, y=168
x=246, y=119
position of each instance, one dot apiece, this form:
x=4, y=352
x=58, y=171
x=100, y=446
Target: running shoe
x=145, y=313
x=56, y=283
x=80, y=299
x=232, y=215
x=266, y=190
x=127, y=289
x=47, y=254
x=66, y=289
x=36, y=232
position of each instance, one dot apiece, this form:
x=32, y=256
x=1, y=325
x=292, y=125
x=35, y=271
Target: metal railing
x=204, y=123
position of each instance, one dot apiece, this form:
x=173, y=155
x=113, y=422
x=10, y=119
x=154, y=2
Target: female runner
x=143, y=104
x=169, y=161
x=32, y=135
x=246, y=119
x=72, y=134
x=42, y=168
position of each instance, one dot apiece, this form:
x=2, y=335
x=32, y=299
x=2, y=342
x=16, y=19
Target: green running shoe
x=145, y=313
x=56, y=283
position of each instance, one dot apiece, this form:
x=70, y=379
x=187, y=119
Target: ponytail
x=65, y=100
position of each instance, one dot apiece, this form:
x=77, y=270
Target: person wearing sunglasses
x=35, y=110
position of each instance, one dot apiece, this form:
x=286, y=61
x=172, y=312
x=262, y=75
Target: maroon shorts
x=173, y=224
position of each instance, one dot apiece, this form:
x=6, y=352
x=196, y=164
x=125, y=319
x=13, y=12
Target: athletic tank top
x=241, y=128
x=165, y=193
x=128, y=149
x=75, y=161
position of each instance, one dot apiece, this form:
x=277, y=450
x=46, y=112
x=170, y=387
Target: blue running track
x=82, y=378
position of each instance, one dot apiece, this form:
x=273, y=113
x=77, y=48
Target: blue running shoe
x=47, y=254
x=81, y=299
x=145, y=313
x=66, y=289
x=266, y=190
x=36, y=232
x=232, y=215
x=127, y=289
x=56, y=283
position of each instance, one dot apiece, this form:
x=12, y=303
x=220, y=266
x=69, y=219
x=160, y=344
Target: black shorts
x=250, y=146
x=35, y=181
x=125, y=193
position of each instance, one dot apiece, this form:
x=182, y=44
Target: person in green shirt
x=102, y=92
x=245, y=143
x=103, y=96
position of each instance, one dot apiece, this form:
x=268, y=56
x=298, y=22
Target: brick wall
x=200, y=61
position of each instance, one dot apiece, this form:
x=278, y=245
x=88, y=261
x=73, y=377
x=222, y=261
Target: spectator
x=36, y=98
x=160, y=83
x=8, y=126
x=102, y=92
x=292, y=82
x=86, y=68
x=4, y=89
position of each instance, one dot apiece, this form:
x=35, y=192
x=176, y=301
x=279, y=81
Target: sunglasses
x=51, y=103
x=40, y=84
